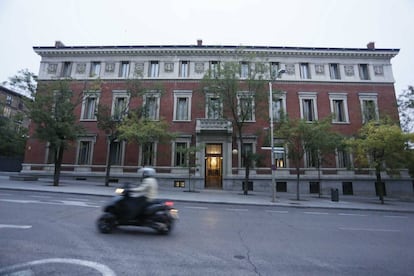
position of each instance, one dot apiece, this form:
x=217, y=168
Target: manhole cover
x=240, y=257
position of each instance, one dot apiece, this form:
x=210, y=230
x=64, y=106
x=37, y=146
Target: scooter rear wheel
x=106, y=223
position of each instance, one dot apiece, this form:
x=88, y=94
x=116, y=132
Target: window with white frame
x=9, y=100
x=117, y=152
x=246, y=106
x=244, y=70
x=180, y=148
x=311, y=159
x=90, y=106
x=343, y=159
x=304, y=71
x=369, y=106
x=85, y=150
x=308, y=106
x=334, y=71
x=151, y=104
x=147, y=157
x=274, y=70
x=66, y=69
x=184, y=69
x=124, y=69
x=214, y=107
x=363, y=71
x=214, y=68
x=182, y=105
x=339, y=107
x=95, y=69
x=279, y=106
x=154, y=69
x=120, y=103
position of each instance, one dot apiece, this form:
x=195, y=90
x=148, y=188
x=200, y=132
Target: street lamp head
x=280, y=72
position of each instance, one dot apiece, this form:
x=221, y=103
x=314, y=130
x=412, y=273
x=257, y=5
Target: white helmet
x=146, y=172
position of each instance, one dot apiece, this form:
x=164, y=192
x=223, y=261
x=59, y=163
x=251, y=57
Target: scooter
x=159, y=215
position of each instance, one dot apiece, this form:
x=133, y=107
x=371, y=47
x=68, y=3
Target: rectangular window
x=304, y=71
x=311, y=159
x=214, y=108
x=90, y=105
x=343, y=159
x=182, y=105
x=148, y=154
x=247, y=154
x=278, y=109
x=184, y=66
x=151, y=105
x=180, y=154
x=369, y=110
x=124, y=69
x=339, y=107
x=154, y=69
x=95, y=69
x=308, y=110
x=116, y=153
x=120, y=108
x=66, y=69
x=85, y=152
x=363, y=71
x=244, y=70
x=334, y=71
x=7, y=112
x=9, y=100
x=214, y=69
x=274, y=69
x=246, y=108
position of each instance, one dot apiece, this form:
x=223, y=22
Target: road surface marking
x=396, y=217
x=15, y=226
x=278, y=212
x=57, y=202
x=237, y=210
x=316, y=213
x=369, y=229
x=103, y=269
x=196, y=207
x=349, y=214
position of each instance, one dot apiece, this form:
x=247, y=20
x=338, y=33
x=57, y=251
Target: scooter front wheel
x=106, y=223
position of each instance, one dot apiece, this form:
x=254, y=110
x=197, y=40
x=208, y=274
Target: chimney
x=59, y=44
x=371, y=45
x=199, y=42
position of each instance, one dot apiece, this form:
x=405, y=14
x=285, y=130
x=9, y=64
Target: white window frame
x=154, y=154
x=364, y=73
x=153, y=94
x=179, y=94
x=214, y=68
x=368, y=97
x=244, y=69
x=208, y=112
x=184, y=69
x=121, y=153
x=340, y=154
x=66, y=69
x=247, y=95
x=116, y=94
x=334, y=71
x=154, y=69
x=304, y=70
x=124, y=69
x=274, y=70
x=88, y=95
x=278, y=97
x=339, y=97
x=88, y=139
x=308, y=96
x=183, y=140
x=95, y=70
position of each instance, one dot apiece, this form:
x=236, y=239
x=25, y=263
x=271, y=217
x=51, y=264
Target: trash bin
x=334, y=194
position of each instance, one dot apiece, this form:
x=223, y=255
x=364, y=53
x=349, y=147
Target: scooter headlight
x=119, y=191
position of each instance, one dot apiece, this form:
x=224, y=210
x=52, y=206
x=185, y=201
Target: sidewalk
x=217, y=196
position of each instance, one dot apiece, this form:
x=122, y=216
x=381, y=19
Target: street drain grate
x=240, y=257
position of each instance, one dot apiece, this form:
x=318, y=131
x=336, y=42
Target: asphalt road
x=55, y=234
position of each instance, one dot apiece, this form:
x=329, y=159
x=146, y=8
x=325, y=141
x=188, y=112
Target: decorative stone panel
x=199, y=67
x=52, y=68
x=379, y=70
x=290, y=69
x=320, y=69
x=139, y=67
x=109, y=67
x=80, y=68
x=349, y=70
x=169, y=67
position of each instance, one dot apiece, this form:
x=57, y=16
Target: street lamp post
x=272, y=147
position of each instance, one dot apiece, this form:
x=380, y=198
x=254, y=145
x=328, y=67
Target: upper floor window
x=154, y=69
x=184, y=69
x=339, y=107
x=334, y=71
x=151, y=105
x=7, y=112
x=66, y=69
x=246, y=107
x=120, y=102
x=95, y=69
x=90, y=106
x=308, y=106
x=244, y=70
x=278, y=106
x=9, y=100
x=304, y=71
x=182, y=105
x=369, y=107
x=214, y=68
x=274, y=70
x=214, y=108
x=124, y=69
x=363, y=71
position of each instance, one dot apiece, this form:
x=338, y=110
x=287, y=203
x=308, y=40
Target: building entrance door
x=214, y=166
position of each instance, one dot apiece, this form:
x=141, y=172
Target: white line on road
x=354, y=215
x=278, y=212
x=396, y=217
x=15, y=226
x=196, y=207
x=316, y=213
x=237, y=210
x=368, y=229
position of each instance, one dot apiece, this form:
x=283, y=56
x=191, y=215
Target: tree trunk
x=379, y=183
x=108, y=164
x=58, y=164
x=297, y=183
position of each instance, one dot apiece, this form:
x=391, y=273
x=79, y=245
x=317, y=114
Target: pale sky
x=302, y=23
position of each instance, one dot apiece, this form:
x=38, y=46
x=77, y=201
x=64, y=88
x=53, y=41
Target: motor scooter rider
x=146, y=192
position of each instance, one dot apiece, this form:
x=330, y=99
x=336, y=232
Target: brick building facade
x=355, y=85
